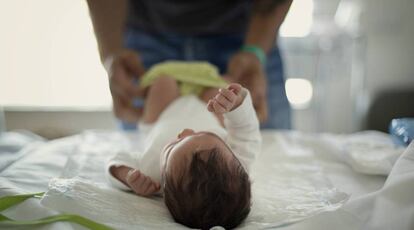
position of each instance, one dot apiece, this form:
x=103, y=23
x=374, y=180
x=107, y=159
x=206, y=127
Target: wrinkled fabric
x=192, y=77
x=284, y=192
x=310, y=167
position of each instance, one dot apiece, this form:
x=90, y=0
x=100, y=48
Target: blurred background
x=349, y=66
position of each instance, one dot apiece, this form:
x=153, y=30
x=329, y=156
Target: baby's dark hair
x=211, y=192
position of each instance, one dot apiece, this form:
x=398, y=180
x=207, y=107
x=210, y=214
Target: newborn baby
x=199, y=167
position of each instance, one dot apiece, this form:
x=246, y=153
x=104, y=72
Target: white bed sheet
x=292, y=151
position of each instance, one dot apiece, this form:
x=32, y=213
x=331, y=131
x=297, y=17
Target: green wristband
x=257, y=51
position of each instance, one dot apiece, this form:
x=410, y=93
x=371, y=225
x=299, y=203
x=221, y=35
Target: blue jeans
x=217, y=49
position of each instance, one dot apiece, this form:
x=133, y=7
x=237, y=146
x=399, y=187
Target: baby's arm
x=121, y=173
x=240, y=120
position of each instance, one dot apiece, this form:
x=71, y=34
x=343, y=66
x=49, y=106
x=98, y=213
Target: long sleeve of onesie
x=243, y=130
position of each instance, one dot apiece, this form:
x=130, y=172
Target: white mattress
x=300, y=181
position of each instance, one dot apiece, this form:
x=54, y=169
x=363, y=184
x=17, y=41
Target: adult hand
x=124, y=69
x=246, y=69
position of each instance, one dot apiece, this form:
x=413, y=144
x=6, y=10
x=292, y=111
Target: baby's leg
x=161, y=93
x=207, y=94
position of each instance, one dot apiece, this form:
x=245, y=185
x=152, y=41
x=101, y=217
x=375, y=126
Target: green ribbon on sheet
x=9, y=201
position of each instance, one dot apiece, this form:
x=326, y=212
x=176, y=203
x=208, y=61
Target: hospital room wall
x=390, y=42
x=323, y=58
x=54, y=123
x=389, y=59
x=386, y=54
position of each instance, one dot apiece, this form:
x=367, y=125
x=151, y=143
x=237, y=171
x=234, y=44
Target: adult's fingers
x=122, y=82
x=124, y=110
x=133, y=62
x=135, y=67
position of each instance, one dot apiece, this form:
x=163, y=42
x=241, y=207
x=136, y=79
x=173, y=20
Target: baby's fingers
x=224, y=102
x=132, y=176
x=234, y=87
x=136, y=181
x=218, y=108
x=144, y=186
x=228, y=94
x=210, y=106
x=151, y=189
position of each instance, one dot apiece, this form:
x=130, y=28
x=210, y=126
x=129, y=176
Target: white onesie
x=242, y=135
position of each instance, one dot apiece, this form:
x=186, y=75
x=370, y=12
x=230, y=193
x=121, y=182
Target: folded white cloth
x=390, y=207
x=367, y=152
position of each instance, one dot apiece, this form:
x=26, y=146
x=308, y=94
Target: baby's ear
x=234, y=87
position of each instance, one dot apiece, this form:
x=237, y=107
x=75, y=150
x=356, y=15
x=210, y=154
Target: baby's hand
x=141, y=184
x=226, y=99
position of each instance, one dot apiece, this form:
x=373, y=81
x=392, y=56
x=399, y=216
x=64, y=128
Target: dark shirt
x=190, y=17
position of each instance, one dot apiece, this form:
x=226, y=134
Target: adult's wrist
x=107, y=63
x=257, y=51
x=108, y=59
x=109, y=51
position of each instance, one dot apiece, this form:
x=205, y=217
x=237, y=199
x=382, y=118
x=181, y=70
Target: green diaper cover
x=193, y=77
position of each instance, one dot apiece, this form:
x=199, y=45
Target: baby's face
x=177, y=155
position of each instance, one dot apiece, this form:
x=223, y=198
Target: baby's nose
x=185, y=133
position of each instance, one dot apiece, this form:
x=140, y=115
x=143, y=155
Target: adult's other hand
x=246, y=69
x=124, y=70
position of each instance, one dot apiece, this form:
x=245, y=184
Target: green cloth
x=9, y=201
x=193, y=77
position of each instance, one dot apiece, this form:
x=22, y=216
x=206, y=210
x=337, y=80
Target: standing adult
x=238, y=36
